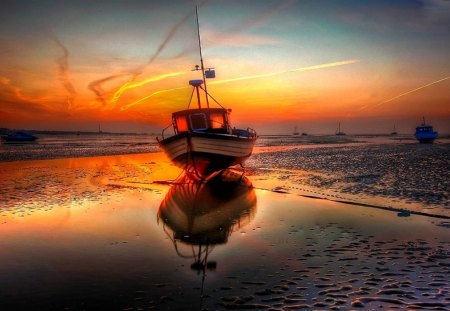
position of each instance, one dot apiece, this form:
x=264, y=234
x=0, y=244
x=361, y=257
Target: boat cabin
x=216, y=120
x=424, y=129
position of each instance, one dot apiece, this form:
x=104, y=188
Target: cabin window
x=198, y=121
x=182, y=125
x=217, y=120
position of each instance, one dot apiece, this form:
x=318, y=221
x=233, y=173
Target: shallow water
x=111, y=233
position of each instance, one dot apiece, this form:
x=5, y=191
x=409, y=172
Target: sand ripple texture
x=352, y=271
x=411, y=173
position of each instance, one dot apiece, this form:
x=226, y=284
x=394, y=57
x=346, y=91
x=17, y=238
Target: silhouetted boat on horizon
x=425, y=133
x=394, y=132
x=339, y=133
x=204, y=140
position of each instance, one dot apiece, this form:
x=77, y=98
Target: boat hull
x=18, y=138
x=206, y=153
x=8, y=139
x=425, y=138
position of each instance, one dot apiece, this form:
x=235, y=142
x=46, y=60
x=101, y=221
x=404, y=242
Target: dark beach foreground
x=132, y=232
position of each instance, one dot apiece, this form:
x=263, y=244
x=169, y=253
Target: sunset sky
x=125, y=65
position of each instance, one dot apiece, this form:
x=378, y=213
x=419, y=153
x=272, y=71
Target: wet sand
x=383, y=172
x=123, y=232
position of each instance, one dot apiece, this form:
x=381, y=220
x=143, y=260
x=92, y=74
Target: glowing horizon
x=128, y=65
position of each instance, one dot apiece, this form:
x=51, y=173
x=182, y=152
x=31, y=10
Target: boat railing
x=164, y=129
x=248, y=133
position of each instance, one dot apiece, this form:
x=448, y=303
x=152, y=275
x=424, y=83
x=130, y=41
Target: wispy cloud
x=238, y=39
x=97, y=86
x=63, y=72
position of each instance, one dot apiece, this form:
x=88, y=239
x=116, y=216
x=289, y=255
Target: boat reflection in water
x=197, y=216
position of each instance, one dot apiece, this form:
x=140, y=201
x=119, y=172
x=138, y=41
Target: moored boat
x=425, y=133
x=203, y=139
x=19, y=136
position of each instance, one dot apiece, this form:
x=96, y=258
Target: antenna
x=202, y=68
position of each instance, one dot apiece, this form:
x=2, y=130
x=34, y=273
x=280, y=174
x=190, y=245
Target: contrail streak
x=147, y=97
x=266, y=75
x=262, y=17
x=130, y=84
x=138, y=71
x=246, y=78
x=63, y=70
x=409, y=92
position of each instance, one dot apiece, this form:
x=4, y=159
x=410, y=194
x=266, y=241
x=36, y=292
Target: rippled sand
x=388, y=173
x=125, y=232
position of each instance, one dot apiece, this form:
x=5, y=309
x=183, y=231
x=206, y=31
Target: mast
x=201, y=57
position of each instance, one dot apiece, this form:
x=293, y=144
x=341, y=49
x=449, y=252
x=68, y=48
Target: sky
x=310, y=64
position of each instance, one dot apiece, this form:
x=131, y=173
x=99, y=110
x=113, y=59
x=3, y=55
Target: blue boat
x=425, y=133
x=19, y=137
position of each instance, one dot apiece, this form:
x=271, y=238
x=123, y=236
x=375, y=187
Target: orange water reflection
x=43, y=196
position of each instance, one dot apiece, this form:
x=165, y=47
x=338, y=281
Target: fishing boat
x=339, y=133
x=19, y=136
x=425, y=133
x=202, y=139
x=295, y=132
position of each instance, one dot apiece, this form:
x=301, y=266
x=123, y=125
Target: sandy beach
x=130, y=232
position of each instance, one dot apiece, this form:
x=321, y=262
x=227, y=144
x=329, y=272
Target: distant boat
x=394, y=132
x=339, y=133
x=19, y=136
x=204, y=140
x=304, y=134
x=295, y=131
x=425, y=133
